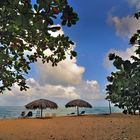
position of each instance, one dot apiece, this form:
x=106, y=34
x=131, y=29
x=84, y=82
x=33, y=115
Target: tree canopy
x=25, y=35
x=124, y=85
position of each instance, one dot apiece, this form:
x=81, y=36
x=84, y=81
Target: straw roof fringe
x=41, y=104
x=78, y=103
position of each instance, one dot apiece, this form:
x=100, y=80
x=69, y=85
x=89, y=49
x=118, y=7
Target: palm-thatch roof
x=41, y=104
x=78, y=103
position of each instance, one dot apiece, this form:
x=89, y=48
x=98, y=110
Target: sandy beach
x=91, y=127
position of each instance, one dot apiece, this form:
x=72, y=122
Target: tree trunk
x=109, y=108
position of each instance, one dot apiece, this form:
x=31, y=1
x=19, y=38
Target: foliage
x=124, y=85
x=25, y=35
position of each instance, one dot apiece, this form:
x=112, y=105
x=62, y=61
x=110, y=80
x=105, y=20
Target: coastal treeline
x=124, y=84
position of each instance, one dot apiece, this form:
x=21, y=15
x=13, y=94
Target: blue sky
x=104, y=26
x=94, y=36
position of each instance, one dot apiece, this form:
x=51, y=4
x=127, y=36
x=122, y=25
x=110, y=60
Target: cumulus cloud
x=125, y=26
x=59, y=32
x=134, y=3
x=87, y=90
x=48, y=91
x=61, y=84
x=125, y=54
x=67, y=72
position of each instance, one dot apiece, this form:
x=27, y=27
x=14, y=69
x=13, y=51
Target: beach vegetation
x=123, y=89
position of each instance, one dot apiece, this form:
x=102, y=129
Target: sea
x=10, y=112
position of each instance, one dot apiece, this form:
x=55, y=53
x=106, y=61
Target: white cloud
x=87, y=90
x=59, y=32
x=125, y=54
x=125, y=26
x=61, y=84
x=134, y=3
x=67, y=72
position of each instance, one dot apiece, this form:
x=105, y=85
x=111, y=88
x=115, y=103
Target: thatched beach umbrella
x=41, y=104
x=78, y=103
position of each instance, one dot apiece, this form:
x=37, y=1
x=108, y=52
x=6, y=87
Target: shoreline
x=117, y=115
x=68, y=115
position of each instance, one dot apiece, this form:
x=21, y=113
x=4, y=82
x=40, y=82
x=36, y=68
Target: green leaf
x=36, y=7
x=73, y=53
x=25, y=27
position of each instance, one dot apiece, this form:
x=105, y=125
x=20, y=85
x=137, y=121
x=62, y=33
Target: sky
x=104, y=26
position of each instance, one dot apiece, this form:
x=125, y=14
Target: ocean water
x=15, y=111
